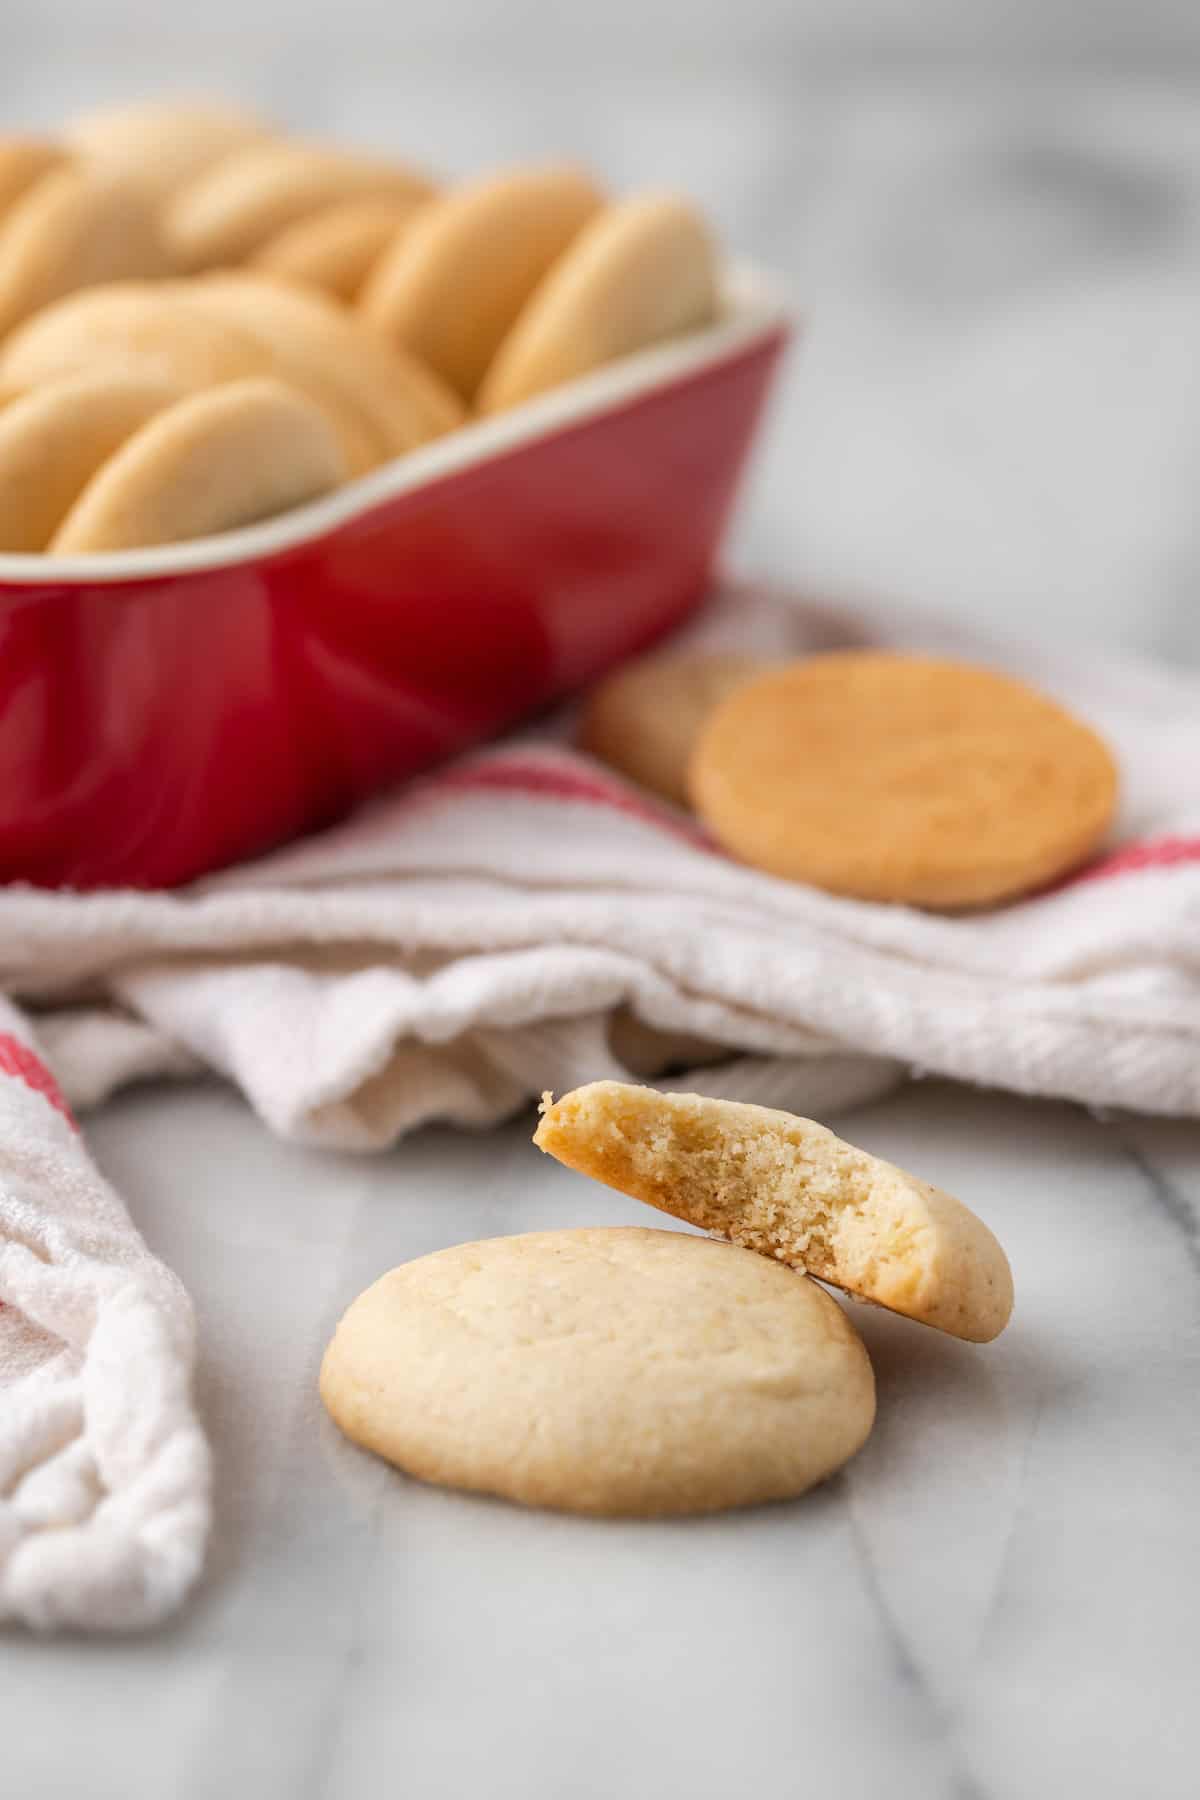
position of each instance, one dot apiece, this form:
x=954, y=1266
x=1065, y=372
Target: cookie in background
x=903, y=778
x=164, y=144
x=65, y=224
x=644, y=719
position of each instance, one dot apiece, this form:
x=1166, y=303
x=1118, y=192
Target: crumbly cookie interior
x=786, y=1192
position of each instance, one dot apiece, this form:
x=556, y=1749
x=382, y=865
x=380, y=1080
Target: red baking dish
x=165, y=712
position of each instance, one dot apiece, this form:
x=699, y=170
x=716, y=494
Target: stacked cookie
x=220, y=322
x=278, y=393
x=877, y=776
x=504, y=286
x=65, y=224
x=650, y=1373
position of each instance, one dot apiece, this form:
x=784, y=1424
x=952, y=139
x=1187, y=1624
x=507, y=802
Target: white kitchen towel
x=517, y=921
x=104, y=1507
x=524, y=919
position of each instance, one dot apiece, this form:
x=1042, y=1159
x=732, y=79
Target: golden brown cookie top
x=903, y=778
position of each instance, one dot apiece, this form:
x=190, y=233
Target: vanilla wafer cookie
x=165, y=331
x=789, y=1189
x=336, y=248
x=210, y=463
x=456, y=280
x=24, y=161
x=69, y=230
x=403, y=403
x=164, y=144
x=53, y=439
x=903, y=778
x=645, y=717
x=229, y=213
x=619, y=1373
x=642, y=271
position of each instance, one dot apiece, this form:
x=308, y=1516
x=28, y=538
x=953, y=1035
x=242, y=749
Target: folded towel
x=104, y=1508
x=524, y=919
x=520, y=920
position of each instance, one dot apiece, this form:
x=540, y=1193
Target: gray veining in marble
x=996, y=1599
x=991, y=217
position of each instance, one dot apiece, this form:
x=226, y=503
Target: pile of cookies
x=630, y=1372
x=239, y=322
x=870, y=774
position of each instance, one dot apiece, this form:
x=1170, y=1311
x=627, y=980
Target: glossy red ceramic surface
x=157, y=727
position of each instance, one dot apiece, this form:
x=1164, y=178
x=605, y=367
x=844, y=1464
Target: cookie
x=642, y=271
x=624, y=1373
x=164, y=144
x=54, y=438
x=789, y=1189
x=402, y=403
x=23, y=161
x=210, y=463
x=902, y=778
x=248, y=198
x=164, y=330
x=146, y=327
x=70, y=230
x=645, y=718
x=336, y=249
x=457, y=279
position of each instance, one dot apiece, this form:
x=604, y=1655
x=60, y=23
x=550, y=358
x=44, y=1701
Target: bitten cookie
x=210, y=463
x=903, y=778
x=642, y=271
x=615, y=1372
x=645, y=718
x=458, y=277
x=790, y=1189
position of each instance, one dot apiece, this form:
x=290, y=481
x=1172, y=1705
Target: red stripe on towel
x=18, y=1060
x=1154, y=853
x=555, y=781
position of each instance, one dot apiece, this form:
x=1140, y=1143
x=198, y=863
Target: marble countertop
x=996, y=1599
x=994, y=411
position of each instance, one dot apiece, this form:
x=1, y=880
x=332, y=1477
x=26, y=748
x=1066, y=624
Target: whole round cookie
x=54, y=438
x=457, y=278
x=213, y=461
x=336, y=248
x=72, y=229
x=903, y=778
x=148, y=327
x=641, y=271
x=23, y=161
x=618, y=1372
x=164, y=144
x=645, y=718
x=403, y=402
x=247, y=198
